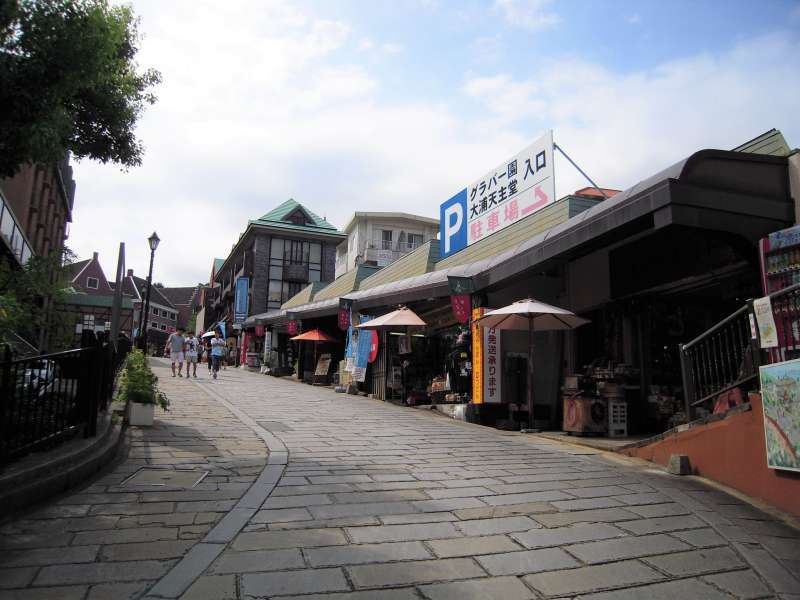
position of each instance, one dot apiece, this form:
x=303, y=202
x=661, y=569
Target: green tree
x=69, y=81
x=27, y=296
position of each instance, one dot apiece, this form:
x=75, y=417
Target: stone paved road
x=388, y=503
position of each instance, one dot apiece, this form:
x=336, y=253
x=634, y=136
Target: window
x=172, y=316
x=386, y=239
x=154, y=325
x=155, y=312
x=163, y=327
x=88, y=321
x=414, y=240
x=92, y=283
x=163, y=313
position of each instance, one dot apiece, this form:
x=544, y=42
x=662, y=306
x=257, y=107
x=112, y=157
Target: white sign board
x=766, y=322
x=516, y=188
x=492, y=373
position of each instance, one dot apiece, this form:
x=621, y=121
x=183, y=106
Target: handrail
x=717, y=327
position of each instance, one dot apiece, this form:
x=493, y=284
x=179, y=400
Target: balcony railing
x=728, y=355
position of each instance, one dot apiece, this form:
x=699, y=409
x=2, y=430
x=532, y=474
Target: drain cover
x=175, y=478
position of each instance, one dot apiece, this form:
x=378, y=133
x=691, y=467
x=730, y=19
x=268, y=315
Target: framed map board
x=780, y=392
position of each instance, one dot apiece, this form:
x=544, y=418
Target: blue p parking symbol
x=453, y=224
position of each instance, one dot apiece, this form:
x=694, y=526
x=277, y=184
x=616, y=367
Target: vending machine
x=780, y=259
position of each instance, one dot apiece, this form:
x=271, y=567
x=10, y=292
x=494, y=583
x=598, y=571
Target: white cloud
x=392, y=48
x=527, y=14
x=633, y=19
x=624, y=126
x=261, y=102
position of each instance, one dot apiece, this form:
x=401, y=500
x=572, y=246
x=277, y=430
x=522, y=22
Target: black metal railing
x=728, y=355
x=47, y=399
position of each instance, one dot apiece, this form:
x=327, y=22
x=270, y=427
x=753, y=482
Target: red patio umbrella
x=316, y=336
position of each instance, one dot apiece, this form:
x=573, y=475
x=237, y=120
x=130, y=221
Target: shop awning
x=745, y=194
x=269, y=317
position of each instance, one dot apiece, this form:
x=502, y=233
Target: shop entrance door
x=516, y=382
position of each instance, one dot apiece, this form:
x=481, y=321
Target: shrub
x=138, y=383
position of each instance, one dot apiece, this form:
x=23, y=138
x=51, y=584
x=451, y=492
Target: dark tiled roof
x=74, y=269
x=178, y=295
x=155, y=295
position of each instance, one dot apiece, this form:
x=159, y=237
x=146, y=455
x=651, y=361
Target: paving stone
x=469, y=546
x=72, y=592
x=597, y=492
x=340, y=479
x=214, y=587
x=600, y=515
x=464, y=492
x=742, y=584
x=595, y=578
x=499, y=525
x=118, y=591
x=206, y=506
x=508, y=510
x=631, y=547
x=335, y=511
x=700, y=538
x=781, y=580
x=35, y=540
x=301, y=538
x=307, y=581
x=296, y=501
x=132, y=508
x=547, y=496
x=16, y=577
x=659, y=510
x=366, y=553
x=396, y=594
x=103, y=572
x=402, y=533
x=661, y=524
x=326, y=523
x=542, y=538
x=124, y=536
x=383, y=496
x=643, y=498
x=281, y=515
x=507, y=588
x=446, y=504
x=418, y=518
x=299, y=490
x=586, y=503
x=527, y=561
x=783, y=548
x=258, y=560
x=146, y=550
x=405, y=573
x=684, y=589
x=696, y=562
x=48, y=556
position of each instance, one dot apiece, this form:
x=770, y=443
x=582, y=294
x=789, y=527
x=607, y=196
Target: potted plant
x=138, y=386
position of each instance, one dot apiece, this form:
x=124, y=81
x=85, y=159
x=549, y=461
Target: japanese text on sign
x=492, y=374
x=515, y=189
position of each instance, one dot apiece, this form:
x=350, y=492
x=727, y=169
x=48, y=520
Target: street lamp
x=153, y=240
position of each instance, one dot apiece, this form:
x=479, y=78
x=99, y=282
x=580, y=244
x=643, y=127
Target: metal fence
x=728, y=355
x=47, y=399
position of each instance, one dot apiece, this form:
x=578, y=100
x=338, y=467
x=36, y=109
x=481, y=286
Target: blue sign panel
x=241, y=300
x=453, y=224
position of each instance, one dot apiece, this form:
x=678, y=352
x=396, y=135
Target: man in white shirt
x=176, y=344
x=192, y=353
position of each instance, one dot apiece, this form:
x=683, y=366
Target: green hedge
x=138, y=383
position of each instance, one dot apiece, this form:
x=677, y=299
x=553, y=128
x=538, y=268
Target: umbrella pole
x=530, y=373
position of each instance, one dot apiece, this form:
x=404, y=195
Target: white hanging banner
x=768, y=333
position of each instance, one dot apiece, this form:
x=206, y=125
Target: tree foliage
x=27, y=294
x=69, y=81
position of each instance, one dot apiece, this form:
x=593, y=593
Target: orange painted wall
x=732, y=452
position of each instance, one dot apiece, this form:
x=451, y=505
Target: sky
x=396, y=105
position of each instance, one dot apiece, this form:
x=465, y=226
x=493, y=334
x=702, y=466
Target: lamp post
x=153, y=241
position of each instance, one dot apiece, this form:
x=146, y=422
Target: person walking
x=176, y=345
x=208, y=354
x=193, y=352
x=217, y=352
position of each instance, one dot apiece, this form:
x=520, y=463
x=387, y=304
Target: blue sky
x=348, y=105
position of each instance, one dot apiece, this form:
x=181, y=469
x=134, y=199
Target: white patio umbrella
x=534, y=316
